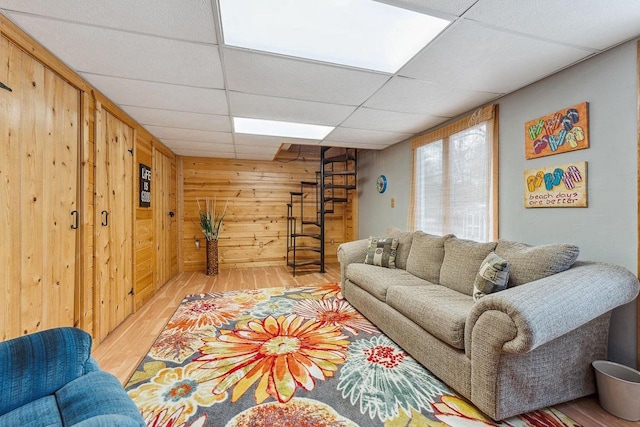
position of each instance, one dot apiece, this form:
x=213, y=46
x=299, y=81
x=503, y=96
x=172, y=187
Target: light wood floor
x=121, y=352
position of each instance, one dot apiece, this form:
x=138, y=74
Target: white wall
x=607, y=229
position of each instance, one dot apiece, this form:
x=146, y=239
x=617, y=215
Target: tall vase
x=212, y=257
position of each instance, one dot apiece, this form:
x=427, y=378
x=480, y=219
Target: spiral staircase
x=308, y=208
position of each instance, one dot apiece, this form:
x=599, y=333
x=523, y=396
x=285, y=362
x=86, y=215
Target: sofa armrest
x=39, y=364
x=540, y=311
x=351, y=252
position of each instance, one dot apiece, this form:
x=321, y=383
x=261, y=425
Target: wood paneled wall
x=155, y=236
x=164, y=219
x=78, y=308
x=39, y=134
x=87, y=178
x=143, y=281
x=254, y=231
x=113, y=224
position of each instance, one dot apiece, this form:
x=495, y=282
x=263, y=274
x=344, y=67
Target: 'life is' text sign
x=145, y=186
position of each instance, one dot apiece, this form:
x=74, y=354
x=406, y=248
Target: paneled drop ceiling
x=165, y=63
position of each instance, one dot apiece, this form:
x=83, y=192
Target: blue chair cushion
x=41, y=412
x=39, y=364
x=97, y=398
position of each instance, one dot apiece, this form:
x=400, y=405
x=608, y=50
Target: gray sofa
x=520, y=349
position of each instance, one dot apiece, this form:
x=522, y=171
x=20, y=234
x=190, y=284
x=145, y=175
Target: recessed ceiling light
x=359, y=33
x=277, y=128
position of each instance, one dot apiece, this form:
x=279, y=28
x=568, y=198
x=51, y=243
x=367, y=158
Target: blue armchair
x=50, y=379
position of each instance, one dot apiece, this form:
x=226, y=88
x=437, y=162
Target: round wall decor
x=381, y=184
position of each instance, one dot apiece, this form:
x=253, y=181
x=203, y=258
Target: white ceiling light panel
x=278, y=128
x=272, y=108
x=357, y=33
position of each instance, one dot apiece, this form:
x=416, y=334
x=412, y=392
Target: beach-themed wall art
x=562, y=186
x=559, y=132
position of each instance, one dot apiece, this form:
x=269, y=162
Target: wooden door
x=113, y=232
x=39, y=136
x=165, y=219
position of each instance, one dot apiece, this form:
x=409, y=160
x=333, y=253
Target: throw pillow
x=462, y=259
x=426, y=255
x=382, y=251
x=528, y=263
x=404, y=245
x=492, y=276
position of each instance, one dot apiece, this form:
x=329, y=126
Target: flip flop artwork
x=559, y=132
x=562, y=186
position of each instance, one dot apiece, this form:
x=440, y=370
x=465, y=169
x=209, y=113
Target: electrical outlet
x=260, y=245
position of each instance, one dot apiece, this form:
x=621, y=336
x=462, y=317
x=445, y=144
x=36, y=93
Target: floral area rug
x=292, y=357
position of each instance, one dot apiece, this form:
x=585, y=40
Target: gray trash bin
x=618, y=389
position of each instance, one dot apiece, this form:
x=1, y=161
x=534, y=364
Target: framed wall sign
x=559, y=132
x=562, y=186
x=145, y=186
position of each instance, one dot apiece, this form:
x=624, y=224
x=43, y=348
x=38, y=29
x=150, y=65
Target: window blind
x=454, y=178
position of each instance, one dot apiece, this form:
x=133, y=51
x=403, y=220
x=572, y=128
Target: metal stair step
x=339, y=158
x=305, y=248
x=314, y=183
x=312, y=235
x=344, y=173
x=341, y=186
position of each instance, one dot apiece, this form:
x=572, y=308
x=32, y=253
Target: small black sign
x=145, y=186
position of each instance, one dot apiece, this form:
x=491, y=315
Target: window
x=453, y=188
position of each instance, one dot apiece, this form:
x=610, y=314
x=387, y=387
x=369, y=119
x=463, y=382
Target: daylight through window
x=453, y=188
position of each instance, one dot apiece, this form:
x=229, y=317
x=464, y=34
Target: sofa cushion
x=426, y=255
x=382, y=251
x=93, y=395
x=40, y=412
x=376, y=280
x=528, y=263
x=462, y=259
x=439, y=310
x=405, y=238
x=492, y=276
